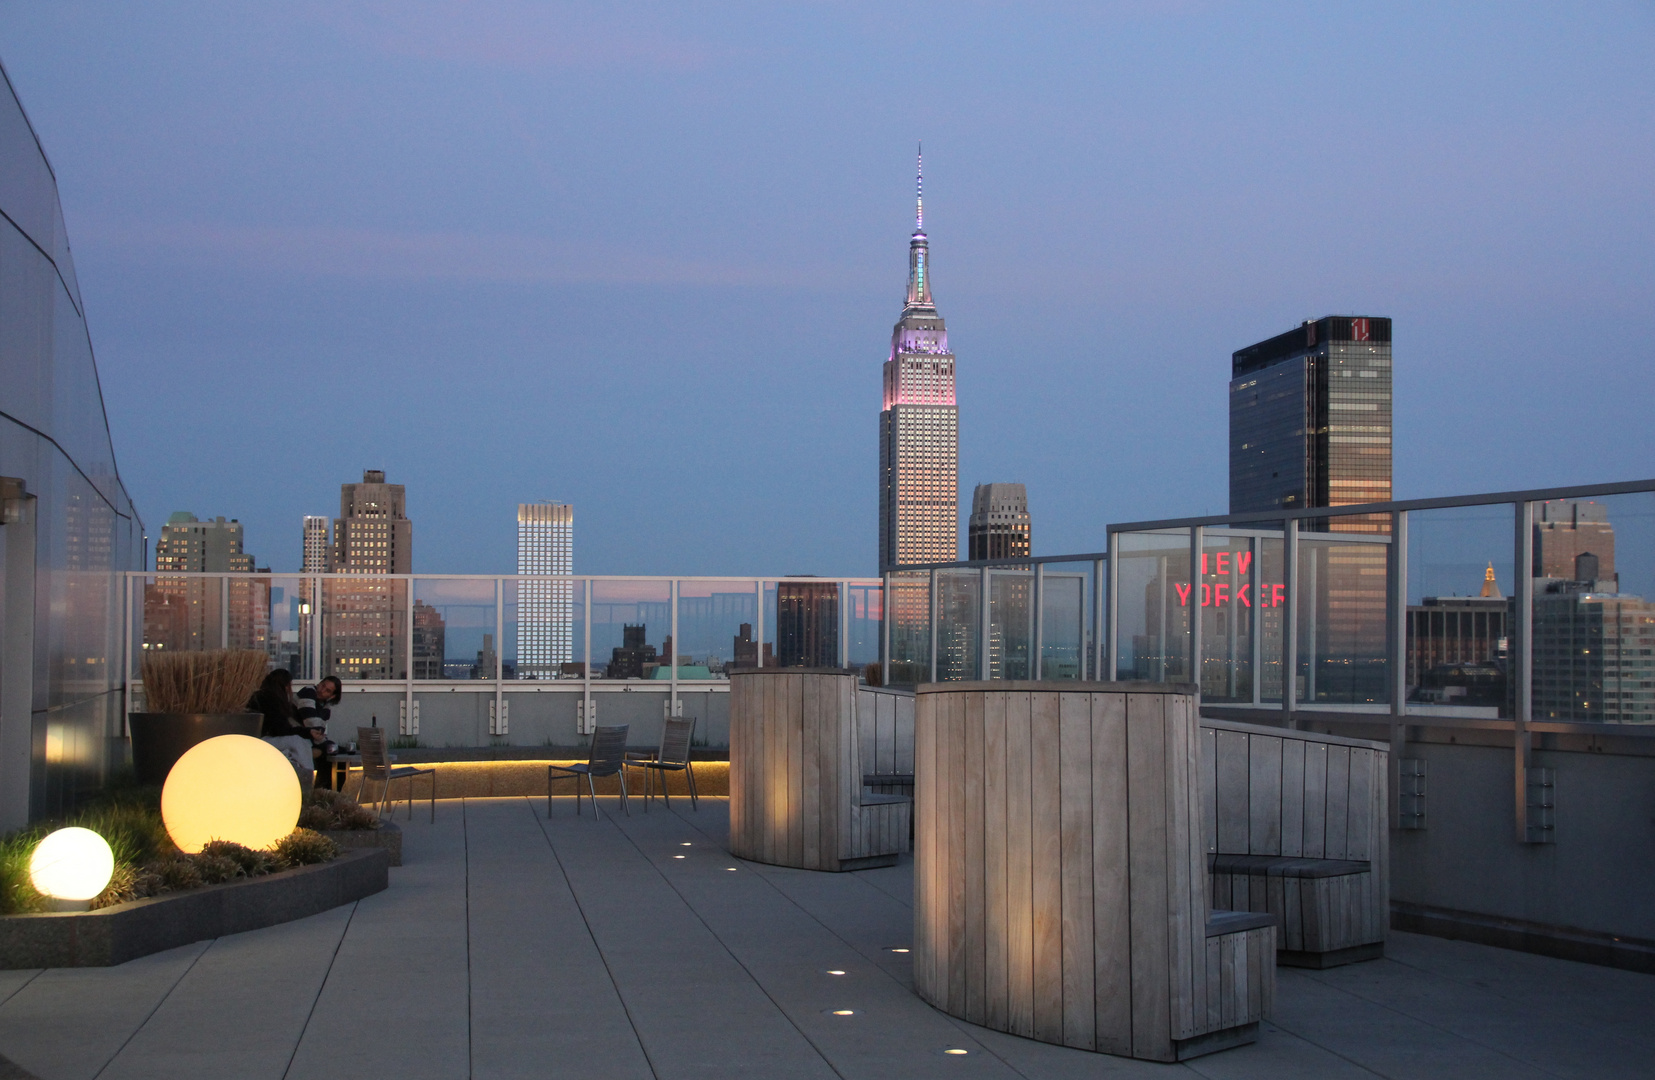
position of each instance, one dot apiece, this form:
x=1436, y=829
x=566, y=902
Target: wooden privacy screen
x=796, y=796
x=1061, y=887
x=1297, y=825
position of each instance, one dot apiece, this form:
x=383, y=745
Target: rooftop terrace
x=510, y=945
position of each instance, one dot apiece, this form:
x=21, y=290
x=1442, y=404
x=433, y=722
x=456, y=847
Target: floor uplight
x=71, y=866
x=844, y=1012
x=836, y=973
x=899, y=950
x=956, y=1051
x=686, y=843
x=678, y=856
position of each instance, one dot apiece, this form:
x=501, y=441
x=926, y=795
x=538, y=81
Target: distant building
x=919, y=427
x=430, y=633
x=1310, y=419
x=1458, y=647
x=205, y=613
x=372, y=538
x=318, y=551
x=999, y=524
x=1594, y=654
x=745, y=651
x=1564, y=530
x=629, y=659
x=807, y=623
x=545, y=609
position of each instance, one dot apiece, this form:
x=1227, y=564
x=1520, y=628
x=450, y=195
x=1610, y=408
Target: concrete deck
x=510, y=946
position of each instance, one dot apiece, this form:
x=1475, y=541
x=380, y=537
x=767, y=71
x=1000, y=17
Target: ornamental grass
x=213, y=681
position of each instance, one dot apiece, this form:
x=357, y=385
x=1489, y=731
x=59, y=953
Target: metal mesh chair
x=376, y=766
x=673, y=756
x=607, y=756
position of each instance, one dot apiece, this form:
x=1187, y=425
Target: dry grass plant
x=214, y=681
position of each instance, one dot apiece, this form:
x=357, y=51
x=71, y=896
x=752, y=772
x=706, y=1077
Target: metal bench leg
x=433, y=798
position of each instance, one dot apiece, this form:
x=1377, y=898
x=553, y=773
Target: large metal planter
x=160, y=739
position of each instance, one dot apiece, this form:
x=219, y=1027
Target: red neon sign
x=1222, y=564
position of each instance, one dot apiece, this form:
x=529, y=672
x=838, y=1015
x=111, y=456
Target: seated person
x=313, y=715
x=281, y=728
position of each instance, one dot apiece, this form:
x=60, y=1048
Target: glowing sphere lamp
x=233, y=787
x=71, y=865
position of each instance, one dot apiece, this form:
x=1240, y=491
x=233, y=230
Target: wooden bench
x=1295, y=825
x=1060, y=879
x=796, y=791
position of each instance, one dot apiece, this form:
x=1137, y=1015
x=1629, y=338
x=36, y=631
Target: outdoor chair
x=606, y=758
x=376, y=766
x=673, y=756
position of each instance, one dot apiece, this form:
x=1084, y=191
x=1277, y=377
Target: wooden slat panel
x=1292, y=797
x=1264, y=795
x=904, y=736
x=1019, y=865
x=996, y=1004
x=1147, y=870
x=867, y=727
x=1183, y=835
x=953, y=754
x=1315, y=800
x=1215, y=983
x=1047, y=867
x=926, y=855
x=1112, y=926
x=1075, y=811
x=976, y=955
x=1209, y=789
x=815, y=813
x=1359, y=823
x=1232, y=792
x=1338, y=800
x=1227, y=980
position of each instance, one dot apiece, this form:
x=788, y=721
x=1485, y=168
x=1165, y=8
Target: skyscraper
x=316, y=544
x=191, y=613
x=999, y=524
x=1310, y=419
x=919, y=427
x=807, y=623
x=545, y=609
x=367, y=632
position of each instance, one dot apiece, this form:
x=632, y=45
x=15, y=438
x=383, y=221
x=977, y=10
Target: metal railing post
x=1196, y=535
x=586, y=657
x=885, y=628
x=1112, y=603
x=316, y=671
x=844, y=624
x=408, y=655
x=501, y=724
x=985, y=621
x=1290, y=623
x=1096, y=674
x=1522, y=666
x=1396, y=598
x=1037, y=668
x=672, y=701
x=224, y=612
x=126, y=652
x=758, y=646
x=933, y=604
x=1255, y=617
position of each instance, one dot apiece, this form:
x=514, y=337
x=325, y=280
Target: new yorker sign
x=1223, y=564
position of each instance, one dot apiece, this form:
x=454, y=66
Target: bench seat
x=1323, y=905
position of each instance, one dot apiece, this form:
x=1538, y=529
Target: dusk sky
x=646, y=259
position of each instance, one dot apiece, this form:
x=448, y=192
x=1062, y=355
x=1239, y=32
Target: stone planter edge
x=127, y=931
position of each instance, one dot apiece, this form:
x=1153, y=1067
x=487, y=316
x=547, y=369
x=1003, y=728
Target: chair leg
x=593, y=789
x=433, y=798
x=622, y=775
x=689, y=774
x=649, y=787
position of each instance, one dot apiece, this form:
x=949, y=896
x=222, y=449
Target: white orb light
x=233, y=787
x=72, y=864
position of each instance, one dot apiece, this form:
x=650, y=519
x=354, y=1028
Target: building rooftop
x=508, y=945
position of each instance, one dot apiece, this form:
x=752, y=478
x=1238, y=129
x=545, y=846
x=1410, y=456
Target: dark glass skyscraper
x=1310, y=419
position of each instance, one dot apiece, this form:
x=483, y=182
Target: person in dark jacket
x=314, y=712
x=274, y=700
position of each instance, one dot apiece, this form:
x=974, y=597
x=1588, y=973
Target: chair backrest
x=675, y=741
x=370, y=742
x=608, y=750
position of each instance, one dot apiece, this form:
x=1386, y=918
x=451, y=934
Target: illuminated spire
x=919, y=192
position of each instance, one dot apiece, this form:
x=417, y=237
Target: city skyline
x=1115, y=228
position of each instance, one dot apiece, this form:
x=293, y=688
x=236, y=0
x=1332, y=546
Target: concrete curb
x=387, y=836
x=114, y=935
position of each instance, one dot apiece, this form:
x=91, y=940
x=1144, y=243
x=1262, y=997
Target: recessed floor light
x=730, y=868
x=686, y=843
x=843, y=1012
x=956, y=1051
x=680, y=856
x=836, y=973
x=899, y=950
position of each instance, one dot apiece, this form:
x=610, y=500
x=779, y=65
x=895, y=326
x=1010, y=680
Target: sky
x=646, y=258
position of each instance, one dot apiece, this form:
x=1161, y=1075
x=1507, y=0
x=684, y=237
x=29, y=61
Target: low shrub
x=305, y=847
x=325, y=810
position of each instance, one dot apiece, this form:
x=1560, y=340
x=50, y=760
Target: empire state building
x=919, y=427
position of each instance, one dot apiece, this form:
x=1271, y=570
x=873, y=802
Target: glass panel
x=1065, y=630
x=1458, y=617
x=363, y=627
x=958, y=624
x=865, y=611
x=1341, y=608
x=1594, y=610
x=910, y=629
x=1010, y=623
x=807, y=623
x=1153, y=616
x=1229, y=593
x=454, y=629
x=715, y=627
x=540, y=627
x=626, y=615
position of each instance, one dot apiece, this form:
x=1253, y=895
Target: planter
x=388, y=836
x=160, y=739
x=114, y=935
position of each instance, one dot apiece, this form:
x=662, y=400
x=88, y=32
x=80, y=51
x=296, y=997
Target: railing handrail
x=823, y=579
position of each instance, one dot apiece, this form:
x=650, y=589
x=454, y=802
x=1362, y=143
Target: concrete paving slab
x=13, y=981
x=69, y=1022
x=240, y=1008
